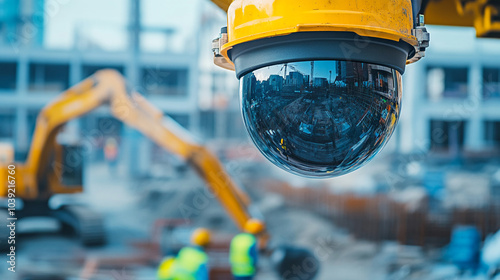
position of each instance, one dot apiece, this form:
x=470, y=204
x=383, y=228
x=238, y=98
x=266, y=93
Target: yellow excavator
x=47, y=171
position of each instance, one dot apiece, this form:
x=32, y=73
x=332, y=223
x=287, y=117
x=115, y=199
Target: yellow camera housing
x=250, y=20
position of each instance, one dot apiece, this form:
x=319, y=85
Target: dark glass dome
x=321, y=118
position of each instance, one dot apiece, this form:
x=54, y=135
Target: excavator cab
x=72, y=170
x=66, y=169
x=62, y=173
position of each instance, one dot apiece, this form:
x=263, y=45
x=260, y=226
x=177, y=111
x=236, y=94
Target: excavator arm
x=483, y=15
x=223, y=4
x=37, y=179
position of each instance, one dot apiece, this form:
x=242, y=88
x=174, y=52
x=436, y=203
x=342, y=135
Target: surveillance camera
x=312, y=112
x=320, y=84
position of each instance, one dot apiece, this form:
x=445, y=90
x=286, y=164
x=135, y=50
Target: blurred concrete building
x=48, y=46
x=451, y=97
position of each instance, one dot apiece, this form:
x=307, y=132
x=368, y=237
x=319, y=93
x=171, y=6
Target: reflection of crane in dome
x=285, y=66
x=294, y=81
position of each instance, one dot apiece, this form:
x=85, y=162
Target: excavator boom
x=38, y=178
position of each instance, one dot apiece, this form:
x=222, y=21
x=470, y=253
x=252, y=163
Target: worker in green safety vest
x=191, y=263
x=243, y=252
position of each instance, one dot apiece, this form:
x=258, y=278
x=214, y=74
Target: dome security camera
x=320, y=82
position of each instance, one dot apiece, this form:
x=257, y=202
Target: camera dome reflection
x=321, y=118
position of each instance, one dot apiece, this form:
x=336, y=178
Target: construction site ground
x=131, y=207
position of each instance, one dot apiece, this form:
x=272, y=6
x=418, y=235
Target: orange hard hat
x=201, y=237
x=254, y=226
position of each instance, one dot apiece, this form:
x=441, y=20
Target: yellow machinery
x=483, y=15
x=47, y=171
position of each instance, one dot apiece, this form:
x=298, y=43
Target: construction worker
x=191, y=263
x=111, y=154
x=243, y=252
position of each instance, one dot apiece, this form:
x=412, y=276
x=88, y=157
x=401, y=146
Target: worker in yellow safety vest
x=165, y=269
x=191, y=263
x=243, y=252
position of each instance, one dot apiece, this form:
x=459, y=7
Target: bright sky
x=104, y=23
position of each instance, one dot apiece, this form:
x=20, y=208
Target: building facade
x=451, y=98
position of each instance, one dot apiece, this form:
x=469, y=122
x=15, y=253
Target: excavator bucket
x=295, y=263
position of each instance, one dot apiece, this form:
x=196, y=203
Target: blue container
x=464, y=247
